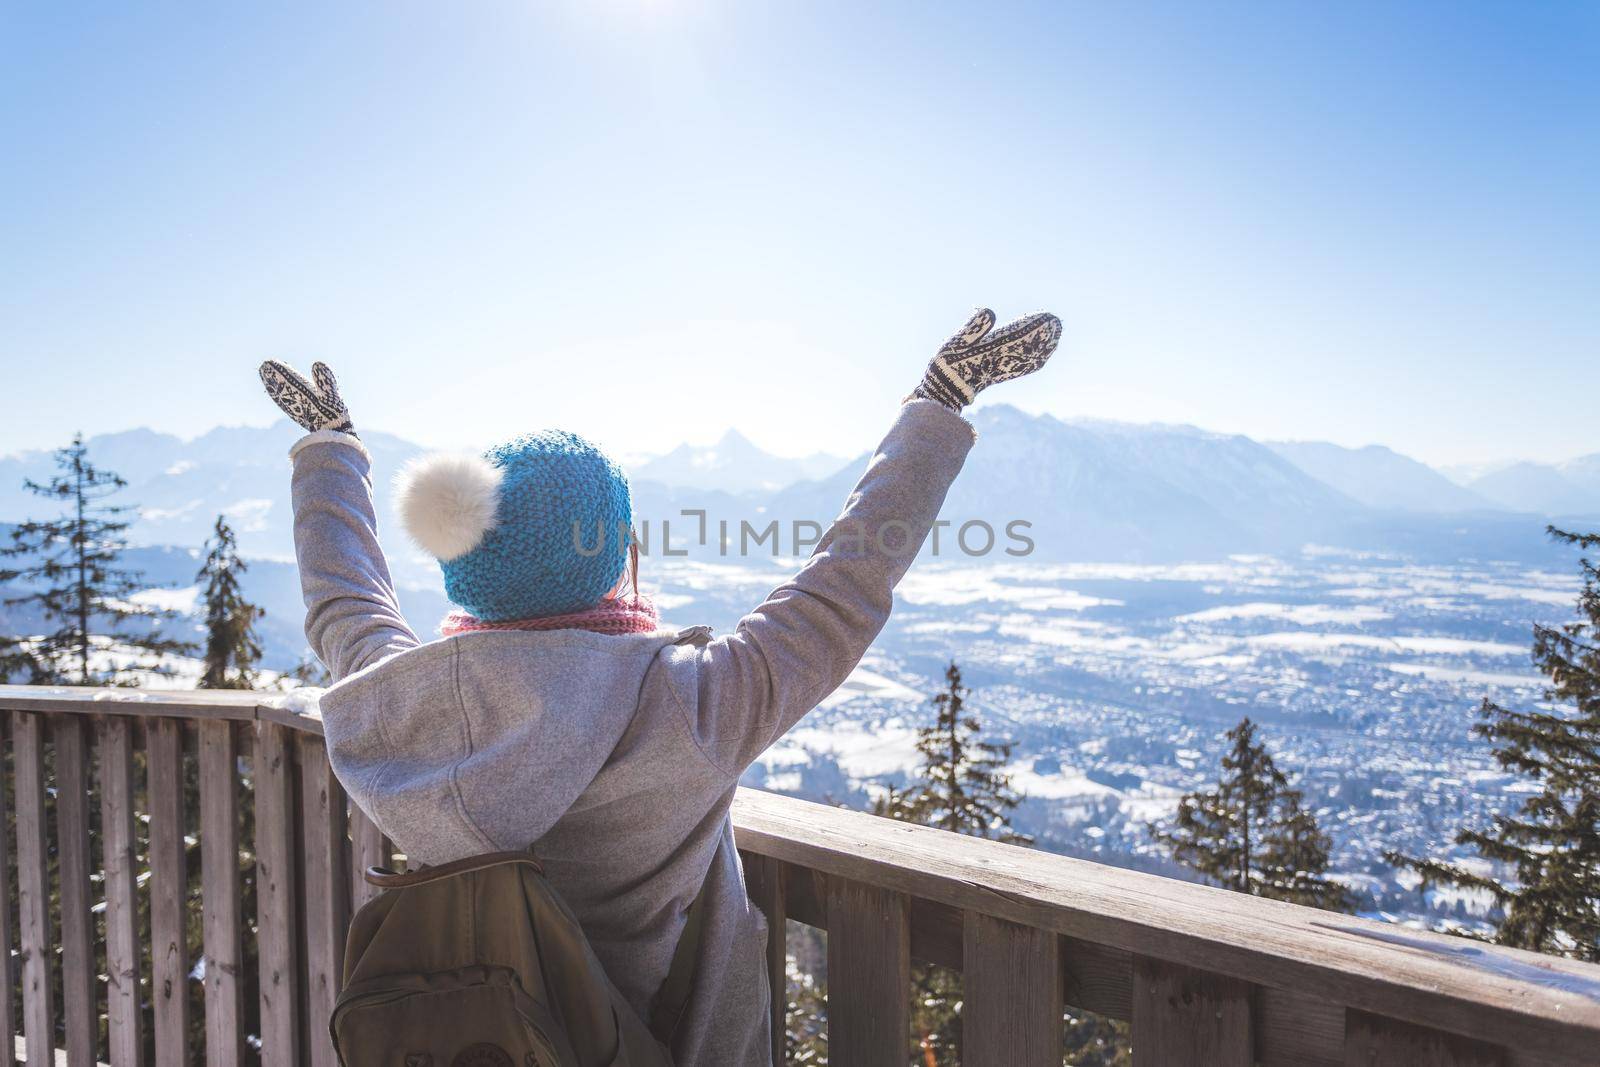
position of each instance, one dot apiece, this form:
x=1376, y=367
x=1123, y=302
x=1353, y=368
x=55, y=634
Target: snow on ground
x=180, y=600
x=1069, y=782
x=1465, y=676
x=862, y=751
x=1299, y=614
x=865, y=683
x=956, y=587
x=1312, y=642
x=143, y=669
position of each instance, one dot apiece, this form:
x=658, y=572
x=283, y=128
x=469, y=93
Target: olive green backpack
x=478, y=963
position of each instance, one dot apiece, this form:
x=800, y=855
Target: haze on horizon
x=650, y=221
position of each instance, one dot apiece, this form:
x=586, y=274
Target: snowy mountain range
x=733, y=465
x=1088, y=490
x=1571, y=487
x=1379, y=477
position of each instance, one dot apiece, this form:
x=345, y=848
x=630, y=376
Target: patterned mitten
x=975, y=359
x=315, y=405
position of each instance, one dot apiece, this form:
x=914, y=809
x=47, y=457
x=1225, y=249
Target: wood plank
x=78, y=968
x=1012, y=993
x=277, y=925
x=169, y=952
x=1297, y=1030
x=1097, y=978
x=367, y=849
x=327, y=892
x=1374, y=1041
x=1545, y=1006
x=869, y=975
x=219, y=887
x=33, y=888
x=1185, y=1015
x=765, y=879
x=124, y=1018
x=8, y=935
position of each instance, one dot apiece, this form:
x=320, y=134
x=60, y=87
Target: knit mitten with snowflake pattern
x=315, y=405
x=976, y=358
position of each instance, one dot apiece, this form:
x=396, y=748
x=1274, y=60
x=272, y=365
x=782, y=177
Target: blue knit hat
x=536, y=526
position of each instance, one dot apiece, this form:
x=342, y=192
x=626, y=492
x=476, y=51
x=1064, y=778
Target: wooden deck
x=1205, y=976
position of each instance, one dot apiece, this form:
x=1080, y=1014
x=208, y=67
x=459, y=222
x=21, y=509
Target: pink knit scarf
x=624, y=615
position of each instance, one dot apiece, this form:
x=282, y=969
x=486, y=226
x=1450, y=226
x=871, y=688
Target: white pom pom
x=447, y=502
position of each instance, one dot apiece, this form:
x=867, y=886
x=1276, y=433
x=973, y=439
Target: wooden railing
x=1205, y=976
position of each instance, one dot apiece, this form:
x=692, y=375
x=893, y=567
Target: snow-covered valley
x=1116, y=683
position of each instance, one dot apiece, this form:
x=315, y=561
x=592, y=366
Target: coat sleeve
x=353, y=617
x=809, y=634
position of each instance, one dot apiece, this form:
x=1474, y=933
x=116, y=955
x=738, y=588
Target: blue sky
x=648, y=220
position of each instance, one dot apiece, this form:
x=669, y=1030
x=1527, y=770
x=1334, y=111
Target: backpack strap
x=667, y=1011
x=384, y=878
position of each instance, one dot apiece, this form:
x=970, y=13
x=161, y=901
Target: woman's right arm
x=353, y=616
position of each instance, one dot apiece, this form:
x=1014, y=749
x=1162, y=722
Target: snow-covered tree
x=71, y=576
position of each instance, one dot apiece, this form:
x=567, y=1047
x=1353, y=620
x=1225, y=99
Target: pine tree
x=73, y=565
x=232, y=648
x=1553, y=841
x=1252, y=833
x=962, y=787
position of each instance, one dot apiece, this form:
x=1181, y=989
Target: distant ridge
x=1092, y=490
x=733, y=465
x=1381, y=477
x=1570, y=488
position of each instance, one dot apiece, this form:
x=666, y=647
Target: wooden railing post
x=869, y=975
x=1011, y=1013
x=33, y=888
x=169, y=891
x=276, y=922
x=219, y=878
x=1182, y=1015
x=77, y=919
x=367, y=849
x=8, y=1005
x=765, y=878
x=327, y=892
x=124, y=1022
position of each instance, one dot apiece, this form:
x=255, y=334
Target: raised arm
x=352, y=614
x=805, y=639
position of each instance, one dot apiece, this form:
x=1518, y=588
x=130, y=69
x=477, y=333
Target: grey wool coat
x=617, y=755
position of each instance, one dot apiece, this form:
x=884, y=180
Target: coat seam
x=688, y=725
x=455, y=769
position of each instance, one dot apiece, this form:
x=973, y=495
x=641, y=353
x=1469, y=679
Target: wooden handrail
x=1205, y=975
x=160, y=704
x=1542, y=1006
